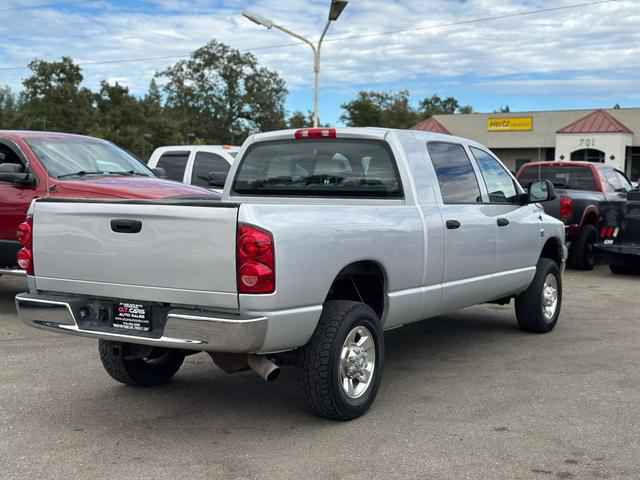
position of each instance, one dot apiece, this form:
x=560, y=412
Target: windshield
x=570, y=178
x=77, y=156
x=321, y=168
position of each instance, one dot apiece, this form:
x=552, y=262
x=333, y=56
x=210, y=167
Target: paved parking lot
x=464, y=397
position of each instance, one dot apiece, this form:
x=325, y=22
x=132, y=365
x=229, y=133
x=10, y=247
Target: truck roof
x=563, y=163
x=376, y=133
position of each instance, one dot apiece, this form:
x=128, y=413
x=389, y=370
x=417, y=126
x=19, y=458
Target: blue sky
x=583, y=57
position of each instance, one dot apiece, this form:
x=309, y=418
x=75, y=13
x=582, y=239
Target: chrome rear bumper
x=184, y=329
x=13, y=272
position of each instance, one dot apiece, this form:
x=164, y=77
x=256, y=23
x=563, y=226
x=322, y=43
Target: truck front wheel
x=126, y=364
x=342, y=363
x=538, y=307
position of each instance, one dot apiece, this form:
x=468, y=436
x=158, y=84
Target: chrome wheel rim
x=357, y=362
x=550, y=297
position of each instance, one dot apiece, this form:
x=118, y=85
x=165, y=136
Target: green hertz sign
x=509, y=124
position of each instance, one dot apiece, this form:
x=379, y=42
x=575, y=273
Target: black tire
x=321, y=360
x=530, y=304
x=582, y=252
x=157, y=368
x=623, y=269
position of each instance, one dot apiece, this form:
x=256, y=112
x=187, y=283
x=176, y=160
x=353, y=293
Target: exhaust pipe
x=264, y=367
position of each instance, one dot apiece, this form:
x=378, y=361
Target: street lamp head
x=337, y=6
x=258, y=19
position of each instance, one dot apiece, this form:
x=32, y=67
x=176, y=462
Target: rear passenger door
x=517, y=227
x=470, y=237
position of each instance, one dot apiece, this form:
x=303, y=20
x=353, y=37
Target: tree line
x=216, y=96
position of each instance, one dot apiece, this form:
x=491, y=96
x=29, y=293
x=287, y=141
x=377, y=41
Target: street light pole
x=337, y=6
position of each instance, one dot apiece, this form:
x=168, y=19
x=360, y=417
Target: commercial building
x=609, y=136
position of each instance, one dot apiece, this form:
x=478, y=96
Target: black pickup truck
x=621, y=249
x=591, y=198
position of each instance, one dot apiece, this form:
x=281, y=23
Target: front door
x=517, y=227
x=14, y=203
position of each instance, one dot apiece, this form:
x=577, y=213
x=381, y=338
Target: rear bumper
x=13, y=272
x=184, y=329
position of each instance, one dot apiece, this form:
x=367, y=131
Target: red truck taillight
x=25, y=254
x=566, y=208
x=255, y=260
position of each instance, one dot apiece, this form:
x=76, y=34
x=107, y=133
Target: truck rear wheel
x=156, y=367
x=582, y=253
x=342, y=363
x=538, y=307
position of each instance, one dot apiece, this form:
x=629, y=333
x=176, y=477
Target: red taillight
x=603, y=232
x=608, y=232
x=255, y=260
x=315, y=133
x=25, y=254
x=566, y=208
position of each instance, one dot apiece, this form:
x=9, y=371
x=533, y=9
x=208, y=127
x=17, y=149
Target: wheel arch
x=590, y=216
x=362, y=281
x=553, y=250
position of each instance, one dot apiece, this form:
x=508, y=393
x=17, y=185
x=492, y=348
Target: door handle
x=503, y=222
x=122, y=225
x=453, y=224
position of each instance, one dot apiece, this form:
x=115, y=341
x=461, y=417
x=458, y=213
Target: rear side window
x=499, y=183
x=206, y=163
x=571, y=178
x=323, y=168
x=457, y=179
x=174, y=163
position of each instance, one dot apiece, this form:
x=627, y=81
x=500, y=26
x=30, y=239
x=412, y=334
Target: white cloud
x=597, y=44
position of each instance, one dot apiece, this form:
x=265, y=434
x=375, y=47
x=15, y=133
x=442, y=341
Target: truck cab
x=205, y=166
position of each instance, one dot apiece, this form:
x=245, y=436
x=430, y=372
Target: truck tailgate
x=171, y=251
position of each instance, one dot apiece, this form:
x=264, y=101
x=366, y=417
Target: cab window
x=205, y=164
x=500, y=185
x=456, y=177
x=615, y=181
x=174, y=164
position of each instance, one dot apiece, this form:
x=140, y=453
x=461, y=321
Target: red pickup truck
x=45, y=164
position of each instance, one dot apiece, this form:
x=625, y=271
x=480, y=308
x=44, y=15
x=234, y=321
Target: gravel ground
x=466, y=396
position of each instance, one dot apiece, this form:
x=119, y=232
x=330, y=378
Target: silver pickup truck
x=323, y=240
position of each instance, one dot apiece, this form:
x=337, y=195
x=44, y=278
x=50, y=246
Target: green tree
x=504, y=109
x=221, y=94
x=438, y=106
x=53, y=99
x=121, y=118
x=380, y=109
x=8, y=108
x=465, y=109
x=300, y=120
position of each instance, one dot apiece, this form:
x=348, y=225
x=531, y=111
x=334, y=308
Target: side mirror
x=217, y=179
x=15, y=173
x=542, y=191
x=159, y=172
